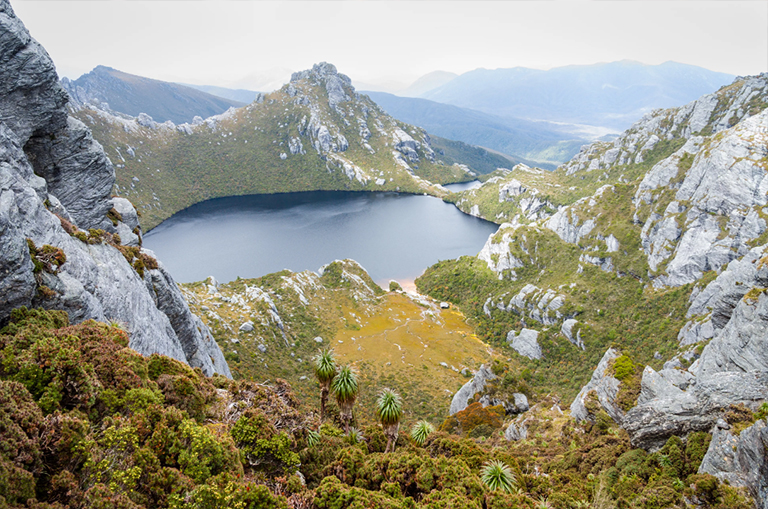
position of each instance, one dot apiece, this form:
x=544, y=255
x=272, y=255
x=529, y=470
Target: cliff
x=65, y=242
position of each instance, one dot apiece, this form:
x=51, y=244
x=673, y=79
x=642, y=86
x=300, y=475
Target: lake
x=393, y=235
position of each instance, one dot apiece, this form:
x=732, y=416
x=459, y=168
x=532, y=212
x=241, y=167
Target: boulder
x=605, y=387
x=462, y=398
x=526, y=343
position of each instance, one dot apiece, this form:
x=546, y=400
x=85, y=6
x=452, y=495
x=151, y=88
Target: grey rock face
x=732, y=369
x=75, y=177
x=498, y=255
x=567, y=330
x=521, y=402
x=65, y=162
x=568, y=227
x=526, y=343
x=606, y=388
x=712, y=308
x=742, y=346
x=467, y=392
x=200, y=349
x=32, y=100
x=532, y=302
x=680, y=412
x=406, y=145
x=334, y=81
x=740, y=460
x=129, y=223
x=715, y=211
x=516, y=431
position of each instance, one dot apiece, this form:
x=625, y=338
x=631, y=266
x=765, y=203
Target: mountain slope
x=612, y=95
x=238, y=95
x=132, y=95
x=537, y=141
x=271, y=327
x=645, y=257
x=315, y=133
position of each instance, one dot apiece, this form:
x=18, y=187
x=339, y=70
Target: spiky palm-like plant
x=344, y=387
x=355, y=436
x=498, y=476
x=389, y=410
x=313, y=438
x=420, y=431
x=325, y=371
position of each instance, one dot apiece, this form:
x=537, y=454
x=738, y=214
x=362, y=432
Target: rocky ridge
x=654, y=245
x=59, y=225
x=118, y=91
x=681, y=204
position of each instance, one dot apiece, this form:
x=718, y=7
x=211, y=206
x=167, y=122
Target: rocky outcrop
x=532, y=302
x=572, y=333
x=66, y=161
x=732, y=370
x=603, y=387
x=496, y=253
x=464, y=395
x=200, y=349
x=47, y=161
x=741, y=460
x=526, y=343
x=717, y=206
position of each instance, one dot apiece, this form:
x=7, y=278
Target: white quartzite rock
x=467, y=392
x=526, y=343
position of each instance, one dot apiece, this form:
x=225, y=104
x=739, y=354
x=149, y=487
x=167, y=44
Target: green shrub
x=262, y=446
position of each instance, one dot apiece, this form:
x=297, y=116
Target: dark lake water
x=394, y=236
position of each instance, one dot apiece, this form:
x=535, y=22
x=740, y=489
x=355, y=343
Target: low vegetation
x=87, y=422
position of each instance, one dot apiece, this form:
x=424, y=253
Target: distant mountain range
x=131, y=94
x=614, y=94
x=538, y=141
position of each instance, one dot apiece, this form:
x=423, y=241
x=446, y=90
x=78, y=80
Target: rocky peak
x=334, y=82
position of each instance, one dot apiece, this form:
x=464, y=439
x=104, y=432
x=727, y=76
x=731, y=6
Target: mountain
x=427, y=82
x=643, y=258
x=538, y=141
x=315, y=133
x=480, y=160
x=67, y=243
x=130, y=94
x=237, y=95
x=610, y=94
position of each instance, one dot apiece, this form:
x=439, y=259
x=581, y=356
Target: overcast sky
x=223, y=42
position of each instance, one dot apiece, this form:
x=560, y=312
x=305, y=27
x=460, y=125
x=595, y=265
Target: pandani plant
x=421, y=430
x=325, y=371
x=498, y=476
x=344, y=388
x=389, y=410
